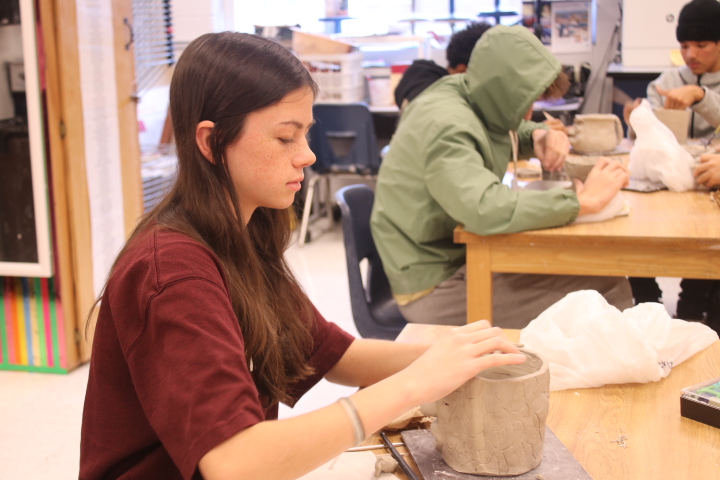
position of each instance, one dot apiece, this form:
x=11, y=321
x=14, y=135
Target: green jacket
x=449, y=154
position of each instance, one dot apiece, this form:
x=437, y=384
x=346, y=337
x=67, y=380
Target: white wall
x=656, y=16
x=306, y=13
x=192, y=18
x=10, y=50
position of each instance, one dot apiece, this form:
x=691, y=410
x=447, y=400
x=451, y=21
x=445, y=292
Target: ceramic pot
x=579, y=166
x=495, y=423
x=595, y=133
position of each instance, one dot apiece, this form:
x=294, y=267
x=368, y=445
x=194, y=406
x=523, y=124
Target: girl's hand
x=455, y=359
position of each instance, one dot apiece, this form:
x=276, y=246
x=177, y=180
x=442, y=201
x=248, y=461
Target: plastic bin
x=340, y=76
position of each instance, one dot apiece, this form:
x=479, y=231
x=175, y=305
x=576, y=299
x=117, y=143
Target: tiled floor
x=40, y=413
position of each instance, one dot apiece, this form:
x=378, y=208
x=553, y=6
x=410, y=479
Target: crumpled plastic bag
x=590, y=343
x=656, y=155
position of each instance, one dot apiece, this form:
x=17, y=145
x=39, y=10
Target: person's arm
x=656, y=100
x=681, y=98
x=380, y=359
x=289, y=448
x=463, y=174
x=604, y=181
x=709, y=107
x=708, y=171
x=664, y=92
x=551, y=148
x=526, y=139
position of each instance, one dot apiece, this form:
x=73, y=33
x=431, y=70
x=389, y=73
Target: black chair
x=343, y=140
x=374, y=309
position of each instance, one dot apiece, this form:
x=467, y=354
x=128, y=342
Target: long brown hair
x=223, y=78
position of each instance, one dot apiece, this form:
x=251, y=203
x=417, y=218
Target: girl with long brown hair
x=202, y=327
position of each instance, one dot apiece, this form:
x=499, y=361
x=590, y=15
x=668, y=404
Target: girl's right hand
x=456, y=358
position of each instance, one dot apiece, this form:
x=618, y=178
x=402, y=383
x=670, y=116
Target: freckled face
x=266, y=162
x=701, y=57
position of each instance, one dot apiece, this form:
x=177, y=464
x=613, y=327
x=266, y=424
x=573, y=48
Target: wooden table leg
x=479, y=282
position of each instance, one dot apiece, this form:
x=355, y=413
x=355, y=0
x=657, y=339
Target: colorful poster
x=571, y=27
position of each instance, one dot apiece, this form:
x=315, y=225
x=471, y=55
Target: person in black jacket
x=423, y=73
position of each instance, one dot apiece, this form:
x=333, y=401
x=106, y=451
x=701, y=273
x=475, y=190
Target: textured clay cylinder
x=495, y=423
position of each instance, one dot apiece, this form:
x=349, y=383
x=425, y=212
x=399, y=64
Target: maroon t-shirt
x=168, y=377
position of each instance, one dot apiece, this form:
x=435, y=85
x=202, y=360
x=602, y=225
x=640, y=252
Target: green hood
x=509, y=69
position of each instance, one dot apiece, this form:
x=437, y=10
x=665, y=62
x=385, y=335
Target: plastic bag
x=590, y=343
x=656, y=155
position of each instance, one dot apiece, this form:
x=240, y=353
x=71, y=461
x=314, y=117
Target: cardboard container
x=678, y=121
x=304, y=43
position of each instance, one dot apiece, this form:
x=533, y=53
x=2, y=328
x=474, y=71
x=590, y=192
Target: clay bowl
x=494, y=424
x=579, y=166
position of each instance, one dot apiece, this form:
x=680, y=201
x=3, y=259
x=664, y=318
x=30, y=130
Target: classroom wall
x=192, y=18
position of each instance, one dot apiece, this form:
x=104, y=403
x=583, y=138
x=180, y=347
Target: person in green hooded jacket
x=445, y=167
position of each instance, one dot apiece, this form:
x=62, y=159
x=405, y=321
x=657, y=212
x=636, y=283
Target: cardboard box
x=304, y=43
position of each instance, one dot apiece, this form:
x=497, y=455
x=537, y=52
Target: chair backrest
x=343, y=139
x=374, y=309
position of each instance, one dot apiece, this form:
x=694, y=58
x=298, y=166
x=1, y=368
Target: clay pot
x=495, y=423
x=579, y=166
x=595, y=133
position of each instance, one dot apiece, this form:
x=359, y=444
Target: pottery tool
x=372, y=447
x=401, y=461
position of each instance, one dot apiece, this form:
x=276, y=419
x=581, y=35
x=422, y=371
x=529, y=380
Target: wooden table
x=666, y=235
x=660, y=443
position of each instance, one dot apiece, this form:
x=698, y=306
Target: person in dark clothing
x=423, y=73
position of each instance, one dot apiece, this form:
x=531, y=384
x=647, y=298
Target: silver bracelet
x=352, y=413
